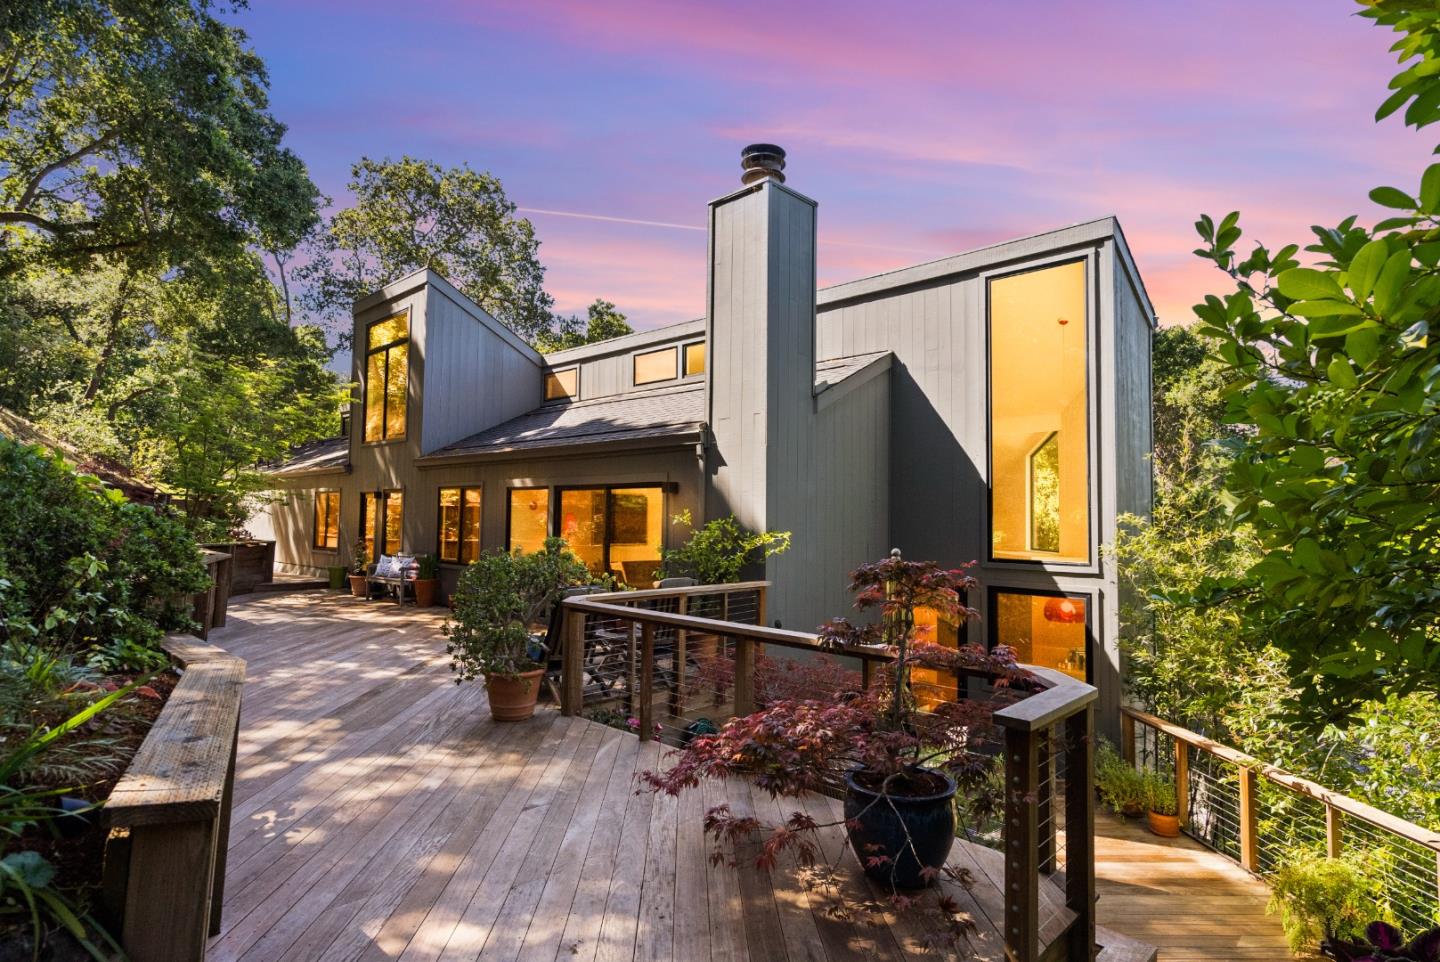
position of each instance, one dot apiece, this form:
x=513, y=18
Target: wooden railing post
x=1332, y=831
x=760, y=610
x=1249, y=822
x=1127, y=738
x=572, y=663
x=744, y=675
x=1022, y=871
x=867, y=673
x=677, y=694
x=646, y=713
x=1182, y=781
x=1080, y=831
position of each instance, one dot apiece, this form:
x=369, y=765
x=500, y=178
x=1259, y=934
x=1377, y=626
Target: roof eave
x=680, y=439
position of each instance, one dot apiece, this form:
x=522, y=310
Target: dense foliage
x=602, y=322
x=719, y=551
x=1333, y=373
x=499, y=600
x=84, y=572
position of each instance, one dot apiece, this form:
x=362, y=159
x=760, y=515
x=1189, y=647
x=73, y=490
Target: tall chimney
x=762, y=162
x=761, y=325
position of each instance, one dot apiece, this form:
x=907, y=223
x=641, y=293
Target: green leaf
x=1363, y=346
x=30, y=868
x=1392, y=280
x=1430, y=189
x=1341, y=373
x=1304, y=283
x=1338, y=326
x=1392, y=104
x=1393, y=197
x=1366, y=266
x=1323, y=309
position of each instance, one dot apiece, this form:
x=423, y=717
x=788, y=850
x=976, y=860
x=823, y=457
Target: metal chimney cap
x=762, y=162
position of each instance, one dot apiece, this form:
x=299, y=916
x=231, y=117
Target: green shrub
x=1318, y=897
x=84, y=571
x=1160, y=793
x=497, y=600
x=718, y=552
x=1120, y=784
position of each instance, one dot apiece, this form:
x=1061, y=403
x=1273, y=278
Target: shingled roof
x=327, y=454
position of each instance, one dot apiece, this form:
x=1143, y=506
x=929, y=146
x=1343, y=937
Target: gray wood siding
x=473, y=377
x=608, y=368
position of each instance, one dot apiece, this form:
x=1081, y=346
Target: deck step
x=1115, y=947
x=292, y=584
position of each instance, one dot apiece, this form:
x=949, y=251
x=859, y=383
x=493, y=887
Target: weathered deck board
x=380, y=814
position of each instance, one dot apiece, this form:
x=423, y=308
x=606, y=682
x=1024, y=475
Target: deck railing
x=1255, y=813
x=672, y=663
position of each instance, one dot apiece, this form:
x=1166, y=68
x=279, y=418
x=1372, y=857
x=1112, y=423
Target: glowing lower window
x=1047, y=629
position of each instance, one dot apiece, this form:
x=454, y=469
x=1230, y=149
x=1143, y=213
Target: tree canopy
x=138, y=129
x=602, y=322
x=1333, y=375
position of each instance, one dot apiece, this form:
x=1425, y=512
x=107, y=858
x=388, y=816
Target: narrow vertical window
x=382, y=515
x=529, y=519
x=327, y=520
x=459, y=524
x=387, y=377
x=1040, y=416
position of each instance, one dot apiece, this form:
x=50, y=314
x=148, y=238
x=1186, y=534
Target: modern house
x=993, y=407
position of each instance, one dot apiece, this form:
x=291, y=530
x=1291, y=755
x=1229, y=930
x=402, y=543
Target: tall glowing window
x=1039, y=416
x=459, y=524
x=529, y=519
x=1048, y=629
x=327, y=520
x=387, y=377
x=382, y=516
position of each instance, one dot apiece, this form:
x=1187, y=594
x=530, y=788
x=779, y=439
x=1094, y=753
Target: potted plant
x=1162, y=804
x=499, y=600
x=1120, y=785
x=358, y=564
x=900, y=768
x=425, y=583
x=1384, y=943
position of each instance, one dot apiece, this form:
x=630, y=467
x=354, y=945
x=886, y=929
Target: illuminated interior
x=529, y=519
x=695, y=358
x=327, y=520
x=562, y=384
x=615, y=530
x=932, y=687
x=1048, y=630
x=459, y=524
x=655, y=366
x=381, y=518
x=387, y=377
x=1039, y=427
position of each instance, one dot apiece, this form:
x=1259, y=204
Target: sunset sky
x=923, y=129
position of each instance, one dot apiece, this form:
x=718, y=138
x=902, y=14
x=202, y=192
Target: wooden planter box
x=251, y=563
x=169, y=815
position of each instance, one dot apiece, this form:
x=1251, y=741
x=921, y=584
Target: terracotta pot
x=1166, y=826
x=513, y=698
x=357, y=586
x=425, y=591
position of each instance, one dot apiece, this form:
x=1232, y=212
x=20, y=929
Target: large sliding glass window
x=387, y=377
x=615, y=530
x=327, y=521
x=382, y=514
x=528, y=522
x=1049, y=629
x=1040, y=416
x=459, y=524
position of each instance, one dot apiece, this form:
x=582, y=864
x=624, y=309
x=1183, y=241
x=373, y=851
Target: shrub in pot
x=358, y=565
x=1162, y=805
x=1384, y=943
x=426, y=569
x=1324, y=900
x=499, y=599
x=1120, y=784
x=901, y=768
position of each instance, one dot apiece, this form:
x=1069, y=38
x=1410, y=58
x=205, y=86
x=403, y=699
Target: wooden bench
x=169, y=815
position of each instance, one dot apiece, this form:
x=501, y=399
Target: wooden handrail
x=1062, y=706
x=1294, y=783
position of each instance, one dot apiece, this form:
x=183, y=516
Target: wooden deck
x=380, y=814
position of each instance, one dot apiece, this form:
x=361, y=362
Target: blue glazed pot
x=879, y=825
